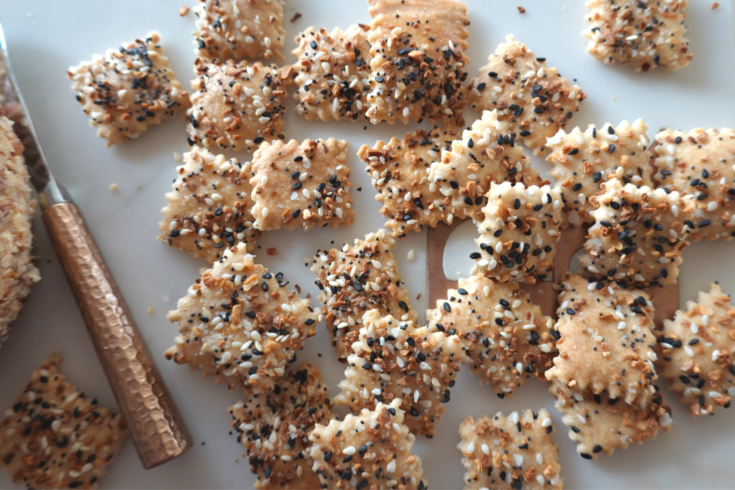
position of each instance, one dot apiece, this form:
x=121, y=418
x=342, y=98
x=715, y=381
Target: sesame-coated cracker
x=128, y=89
x=209, y=207
x=396, y=360
x=533, y=99
x=370, y=450
x=606, y=341
x=504, y=337
x=332, y=75
x=239, y=29
x=697, y=352
x=357, y=278
x=600, y=424
x=55, y=436
x=519, y=232
x=508, y=453
x=302, y=185
x=584, y=160
x=418, y=60
x=644, y=34
x=239, y=323
x=486, y=153
x=17, y=271
x=236, y=106
x=399, y=171
x=274, y=429
x=638, y=235
x=701, y=163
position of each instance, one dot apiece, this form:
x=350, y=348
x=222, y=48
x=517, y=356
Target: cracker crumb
x=296, y=17
x=521, y=10
x=150, y=310
x=714, y=6
x=272, y=251
x=183, y=10
x=177, y=157
x=113, y=187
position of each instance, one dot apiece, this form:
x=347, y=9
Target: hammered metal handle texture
x=153, y=421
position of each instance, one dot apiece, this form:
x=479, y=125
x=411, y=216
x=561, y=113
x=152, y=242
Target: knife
x=154, y=422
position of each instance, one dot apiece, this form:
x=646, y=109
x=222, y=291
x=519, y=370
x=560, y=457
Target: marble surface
x=46, y=37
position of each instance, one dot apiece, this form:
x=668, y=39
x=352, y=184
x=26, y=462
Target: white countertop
x=46, y=37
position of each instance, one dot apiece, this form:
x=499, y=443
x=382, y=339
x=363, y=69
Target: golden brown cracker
x=533, y=99
x=301, y=185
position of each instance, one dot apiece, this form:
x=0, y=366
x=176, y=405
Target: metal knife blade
x=49, y=191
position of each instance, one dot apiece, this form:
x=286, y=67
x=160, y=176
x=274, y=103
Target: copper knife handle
x=154, y=422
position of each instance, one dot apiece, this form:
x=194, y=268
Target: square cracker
x=332, y=74
x=519, y=232
x=600, y=424
x=55, y=436
x=374, y=447
x=606, y=341
x=486, y=153
x=128, y=89
x=239, y=29
x=399, y=171
x=638, y=235
x=504, y=337
x=274, y=429
x=302, y=185
x=357, y=278
x=532, y=98
x=583, y=161
x=396, y=360
x=701, y=163
x=697, y=352
x=236, y=106
x=644, y=34
x=209, y=207
x=505, y=453
x=239, y=323
x=418, y=60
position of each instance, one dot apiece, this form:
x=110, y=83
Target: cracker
x=209, y=207
x=533, y=99
x=239, y=324
x=584, y=160
x=520, y=231
x=504, y=337
x=236, y=106
x=17, y=270
x=128, y=89
x=315, y=177
x=274, y=429
x=55, y=436
x=701, y=163
x=486, y=153
x=697, y=352
x=511, y=452
x=638, y=235
x=332, y=75
x=418, y=60
x=399, y=171
x=358, y=278
x=370, y=450
x=644, y=34
x=598, y=423
x=606, y=341
x=396, y=360
x=239, y=29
